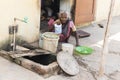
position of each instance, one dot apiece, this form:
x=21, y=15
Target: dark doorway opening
x=49, y=9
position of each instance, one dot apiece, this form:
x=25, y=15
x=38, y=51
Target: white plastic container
x=66, y=47
x=58, y=28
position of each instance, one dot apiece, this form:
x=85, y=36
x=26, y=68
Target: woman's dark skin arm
x=76, y=38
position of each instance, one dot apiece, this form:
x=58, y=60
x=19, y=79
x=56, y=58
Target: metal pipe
x=14, y=36
x=14, y=33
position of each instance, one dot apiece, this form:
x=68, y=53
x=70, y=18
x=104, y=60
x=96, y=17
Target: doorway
x=84, y=11
x=49, y=9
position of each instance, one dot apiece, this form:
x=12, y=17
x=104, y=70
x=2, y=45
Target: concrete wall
x=103, y=7
x=20, y=9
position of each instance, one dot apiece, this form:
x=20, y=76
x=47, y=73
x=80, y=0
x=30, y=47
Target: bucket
x=50, y=41
x=66, y=47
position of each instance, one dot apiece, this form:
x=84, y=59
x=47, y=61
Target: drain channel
x=44, y=59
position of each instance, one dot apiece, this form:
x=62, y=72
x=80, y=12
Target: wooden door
x=84, y=11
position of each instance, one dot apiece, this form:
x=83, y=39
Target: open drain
x=43, y=64
x=44, y=59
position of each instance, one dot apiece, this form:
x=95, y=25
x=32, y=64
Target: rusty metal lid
x=68, y=63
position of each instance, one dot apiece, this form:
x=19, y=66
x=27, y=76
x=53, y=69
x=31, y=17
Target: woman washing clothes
x=67, y=27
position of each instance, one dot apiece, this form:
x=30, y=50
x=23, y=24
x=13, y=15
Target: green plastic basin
x=83, y=50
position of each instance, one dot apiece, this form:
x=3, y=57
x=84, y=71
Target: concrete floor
x=89, y=64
